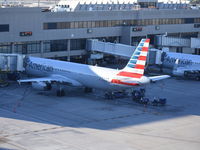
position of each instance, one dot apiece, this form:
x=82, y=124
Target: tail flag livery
x=136, y=64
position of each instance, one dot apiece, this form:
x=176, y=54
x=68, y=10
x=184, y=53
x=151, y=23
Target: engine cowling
x=41, y=86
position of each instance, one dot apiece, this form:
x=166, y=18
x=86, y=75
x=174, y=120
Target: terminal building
x=41, y=32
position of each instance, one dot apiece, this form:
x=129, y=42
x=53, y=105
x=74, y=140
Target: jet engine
x=41, y=86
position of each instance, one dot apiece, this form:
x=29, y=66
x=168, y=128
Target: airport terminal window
x=85, y=24
x=139, y=22
x=58, y=45
x=60, y=25
x=75, y=24
x=50, y=25
x=105, y=23
x=145, y=22
x=109, y=23
x=27, y=47
x=63, y=25
x=46, y=46
x=77, y=44
x=179, y=50
x=197, y=51
x=45, y=26
x=67, y=25
x=80, y=24
x=189, y=20
x=97, y=24
x=101, y=24
x=89, y=24
x=165, y=21
x=18, y=48
x=33, y=47
x=5, y=48
x=4, y=27
x=128, y=23
x=197, y=25
x=72, y=25
x=93, y=24
x=197, y=20
x=113, y=23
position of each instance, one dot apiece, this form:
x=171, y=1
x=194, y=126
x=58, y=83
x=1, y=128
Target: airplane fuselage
x=86, y=75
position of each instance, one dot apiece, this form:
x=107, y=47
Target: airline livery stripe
x=134, y=70
x=146, y=44
x=142, y=58
x=134, y=61
x=129, y=74
x=145, y=49
x=141, y=62
x=147, y=40
x=143, y=54
x=121, y=82
x=143, y=40
x=139, y=48
x=131, y=65
x=141, y=44
x=137, y=66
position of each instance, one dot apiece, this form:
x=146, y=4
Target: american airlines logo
x=181, y=61
x=35, y=66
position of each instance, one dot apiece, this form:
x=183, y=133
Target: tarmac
x=39, y=120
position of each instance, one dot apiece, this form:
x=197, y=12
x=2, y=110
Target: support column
x=41, y=48
x=126, y=35
x=68, y=49
x=12, y=48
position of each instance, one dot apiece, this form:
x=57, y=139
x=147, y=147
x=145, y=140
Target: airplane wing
x=157, y=78
x=53, y=78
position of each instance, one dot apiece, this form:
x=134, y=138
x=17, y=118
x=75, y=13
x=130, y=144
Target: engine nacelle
x=41, y=86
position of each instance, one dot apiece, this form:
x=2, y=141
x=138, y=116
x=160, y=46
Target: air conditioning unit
x=89, y=30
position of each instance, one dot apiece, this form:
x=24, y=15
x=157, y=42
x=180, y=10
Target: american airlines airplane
x=48, y=71
x=181, y=62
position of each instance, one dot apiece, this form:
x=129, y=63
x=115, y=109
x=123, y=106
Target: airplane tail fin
x=136, y=65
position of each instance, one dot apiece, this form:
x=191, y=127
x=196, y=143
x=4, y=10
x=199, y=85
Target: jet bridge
x=110, y=48
x=11, y=62
x=122, y=50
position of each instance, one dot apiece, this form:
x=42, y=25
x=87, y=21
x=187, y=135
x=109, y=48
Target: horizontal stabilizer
x=157, y=78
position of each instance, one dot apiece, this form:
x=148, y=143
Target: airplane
x=180, y=63
x=49, y=71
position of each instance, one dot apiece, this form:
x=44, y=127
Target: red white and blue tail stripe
x=136, y=64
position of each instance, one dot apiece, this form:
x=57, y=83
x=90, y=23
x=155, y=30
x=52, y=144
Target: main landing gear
x=60, y=92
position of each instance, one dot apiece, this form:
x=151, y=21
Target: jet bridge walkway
x=122, y=50
x=110, y=48
x=11, y=62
